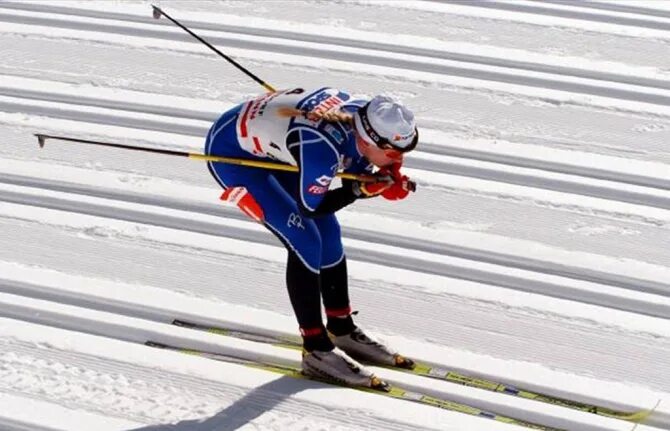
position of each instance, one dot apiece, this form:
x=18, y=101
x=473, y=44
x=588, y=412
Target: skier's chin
x=384, y=164
x=379, y=159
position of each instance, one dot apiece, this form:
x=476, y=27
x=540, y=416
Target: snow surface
x=535, y=251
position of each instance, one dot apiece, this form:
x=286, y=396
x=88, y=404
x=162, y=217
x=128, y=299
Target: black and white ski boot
x=364, y=348
x=336, y=366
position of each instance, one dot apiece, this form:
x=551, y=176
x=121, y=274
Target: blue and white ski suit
x=291, y=202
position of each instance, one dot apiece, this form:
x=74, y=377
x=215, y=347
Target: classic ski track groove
x=207, y=116
x=588, y=16
x=574, y=186
x=624, y=7
x=290, y=341
x=207, y=389
x=132, y=309
x=582, y=15
x=165, y=392
x=415, y=64
x=470, y=253
x=61, y=319
x=151, y=313
x=211, y=387
x=490, y=277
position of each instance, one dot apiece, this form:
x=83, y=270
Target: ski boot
x=352, y=340
x=337, y=367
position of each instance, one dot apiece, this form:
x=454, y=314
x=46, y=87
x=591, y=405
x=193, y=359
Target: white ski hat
x=383, y=121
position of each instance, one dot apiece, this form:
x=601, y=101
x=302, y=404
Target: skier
x=321, y=132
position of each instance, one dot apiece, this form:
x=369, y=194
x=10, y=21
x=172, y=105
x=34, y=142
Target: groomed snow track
x=534, y=253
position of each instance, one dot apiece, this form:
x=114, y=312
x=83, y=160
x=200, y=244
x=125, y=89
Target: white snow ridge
x=534, y=255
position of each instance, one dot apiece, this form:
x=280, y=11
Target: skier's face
x=379, y=157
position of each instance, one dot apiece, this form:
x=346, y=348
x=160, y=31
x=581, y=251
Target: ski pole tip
x=41, y=139
x=157, y=12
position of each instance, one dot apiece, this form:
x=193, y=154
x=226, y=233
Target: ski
x=429, y=371
x=385, y=389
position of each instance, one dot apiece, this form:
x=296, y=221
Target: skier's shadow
x=260, y=400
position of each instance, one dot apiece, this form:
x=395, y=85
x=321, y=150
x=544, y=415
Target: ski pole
x=157, y=14
x=41, y=139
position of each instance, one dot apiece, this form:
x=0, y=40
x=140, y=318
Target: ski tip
x=641, y=416
x=156, y=12
x=638, y=416
x=41, y=139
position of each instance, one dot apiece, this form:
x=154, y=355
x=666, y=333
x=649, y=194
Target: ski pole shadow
x=244, y=410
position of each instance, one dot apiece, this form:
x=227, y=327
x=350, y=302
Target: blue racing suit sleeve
x=318, y=161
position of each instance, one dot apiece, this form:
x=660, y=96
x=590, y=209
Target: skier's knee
x=241, y=197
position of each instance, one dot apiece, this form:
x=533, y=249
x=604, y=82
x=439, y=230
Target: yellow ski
x=434, y=372
x=383, y=389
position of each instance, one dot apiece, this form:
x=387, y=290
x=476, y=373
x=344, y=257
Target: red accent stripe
x=254, y=212
x=257, y=145
x=243, y=123
x=310, y=332
x=338, y=312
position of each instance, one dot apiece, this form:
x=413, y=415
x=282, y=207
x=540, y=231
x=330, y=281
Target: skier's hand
x=401, y=186
x=383, y=180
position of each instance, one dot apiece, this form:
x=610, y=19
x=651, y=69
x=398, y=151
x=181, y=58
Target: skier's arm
x=335, y=200
x=318, y=162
